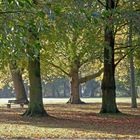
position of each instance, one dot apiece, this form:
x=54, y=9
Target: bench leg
x=21, y=105
x=8, y=105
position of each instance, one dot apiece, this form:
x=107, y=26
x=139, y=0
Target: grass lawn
x=71, y=121
x=64, y=100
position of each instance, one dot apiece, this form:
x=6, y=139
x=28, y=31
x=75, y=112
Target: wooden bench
x=21, y=102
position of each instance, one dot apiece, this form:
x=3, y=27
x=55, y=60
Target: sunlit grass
x=64, y=100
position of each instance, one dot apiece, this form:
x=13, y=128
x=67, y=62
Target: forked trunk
x=36, y=107
x=18, y=82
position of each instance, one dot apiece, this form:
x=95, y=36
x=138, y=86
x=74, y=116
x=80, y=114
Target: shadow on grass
x=79, y=118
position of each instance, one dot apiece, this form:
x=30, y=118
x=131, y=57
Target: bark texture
x=18, y=82
x=36, y=107
x=132, y=80
x=132, y=68
x=108, y=82
x=74, y=83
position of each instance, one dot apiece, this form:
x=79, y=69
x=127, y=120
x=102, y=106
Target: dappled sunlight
x=69, y=69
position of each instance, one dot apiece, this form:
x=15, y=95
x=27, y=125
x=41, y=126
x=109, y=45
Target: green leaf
x=41, y=14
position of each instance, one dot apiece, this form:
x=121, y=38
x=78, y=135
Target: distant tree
x=132, y=68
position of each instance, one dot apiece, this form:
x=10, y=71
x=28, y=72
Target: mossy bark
x=36, y=107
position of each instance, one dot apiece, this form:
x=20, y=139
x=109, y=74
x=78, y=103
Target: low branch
x=90, y=77
x=121, y=59
x=131, y=50
x=58, y=67
x=117, y=2
x=101, y=3
x=122, y=48
x=119, y=28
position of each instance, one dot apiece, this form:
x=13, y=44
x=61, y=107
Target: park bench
x=21, y=102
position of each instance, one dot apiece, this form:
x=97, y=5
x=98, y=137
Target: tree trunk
x=18, y=82
x=108, y=82
x=74, y=83
x=74, y=95
x=132, y=68
x=36, y=107
x=132, y=80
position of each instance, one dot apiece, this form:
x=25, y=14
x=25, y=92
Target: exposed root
x=75, y=102
x=115, y=111
x=30, y=113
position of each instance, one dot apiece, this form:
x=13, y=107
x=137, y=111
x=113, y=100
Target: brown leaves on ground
x=71, y=121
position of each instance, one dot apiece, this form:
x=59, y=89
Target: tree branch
x=117, y=1
x=121, y=59
x=12, y=12
x=131, y=50
x=122, y=48
x=119, y=28
x=101, y=3
x=90, y=77
x=58, y=67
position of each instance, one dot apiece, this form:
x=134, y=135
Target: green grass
x=87, y=100
x=71, y=121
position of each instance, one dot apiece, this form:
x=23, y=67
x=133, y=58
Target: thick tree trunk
x=108, y=82
x=18, y=82
x=74, y=95
x=36, y=107
x=74, y=83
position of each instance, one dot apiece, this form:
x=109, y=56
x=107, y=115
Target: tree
x=18, y=82
x=132, y=68
x=36, y=107
x=71, y=42
x=108, y=82
x=21, y=38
